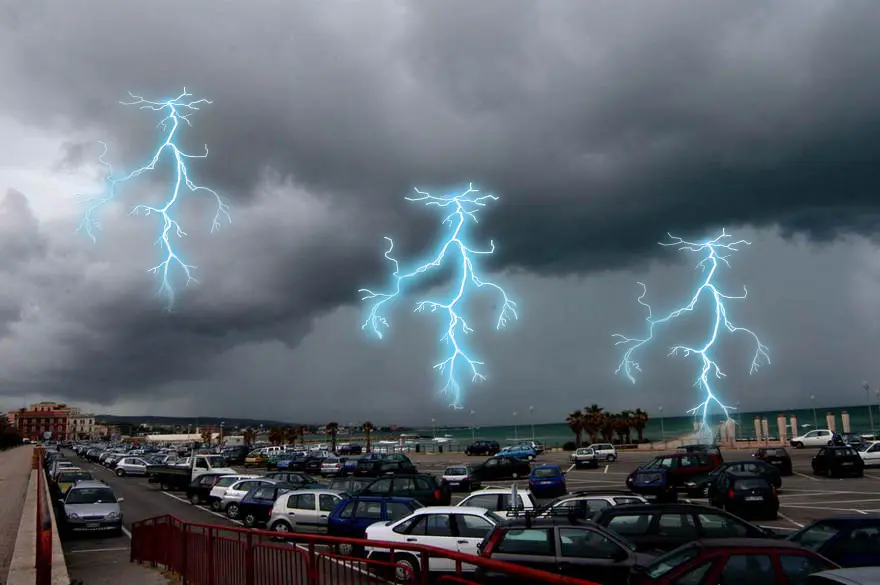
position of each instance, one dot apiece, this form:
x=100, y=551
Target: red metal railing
x=206, y=554
x=44, y=528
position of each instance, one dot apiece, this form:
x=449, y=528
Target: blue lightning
x=711, y=248
x=170, y=226
x=465, y=206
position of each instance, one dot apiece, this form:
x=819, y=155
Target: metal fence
x=205, y=554
x=43, y=542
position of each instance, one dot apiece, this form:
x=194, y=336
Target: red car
x=733, y=561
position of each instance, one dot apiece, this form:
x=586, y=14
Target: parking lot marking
x=805, y=475
x=126, y=532
x=98, y=550
x=786, y=518
x=820, y=502
x=818, y=507
x=208, y=510
x=869, y=476
x=606, y=468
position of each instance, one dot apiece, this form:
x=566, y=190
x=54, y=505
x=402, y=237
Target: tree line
x=290, y=435
x=598, y=424
x=9, y=435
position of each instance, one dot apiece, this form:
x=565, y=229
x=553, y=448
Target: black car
x=848, y=540
x=198, y=491
x=312, y=464
x=778, y=457
x=235, y=454
x=349, y=450
x=349, y=485
x=705, y=486
x=422, y=487
x=255, y=508
x=483, y=448
x=838, y=461
x=389, y=464
x=580, y=550
x=298, y=479
x=745, y=494
x=852, y=440
x=657, y=528
x=502, y=467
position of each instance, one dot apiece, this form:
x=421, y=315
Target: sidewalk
x=15, y=471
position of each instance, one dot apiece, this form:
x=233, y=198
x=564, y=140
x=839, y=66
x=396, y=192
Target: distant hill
x=170, y=421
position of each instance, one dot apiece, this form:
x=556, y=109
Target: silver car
x=131, y=466
x=304, y=510
x=91, y=506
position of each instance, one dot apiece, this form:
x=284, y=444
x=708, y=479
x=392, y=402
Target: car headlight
x=112, y=516
x=73, y=515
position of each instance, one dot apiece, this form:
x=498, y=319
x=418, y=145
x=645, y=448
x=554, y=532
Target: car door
x=588, y=554
x=754, y=569
x=470, y=530
x=381, y=487
x=326, y=504
x=485, y=501
x=820, y=461
x=403, y=487
x=137, y=466
x=635, y=526
x=491, y=469
x=673, y=529
x=435, y=530
x=305, y=510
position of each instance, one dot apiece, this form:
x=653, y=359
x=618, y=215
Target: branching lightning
x=170, y=226
x=465, y=207
x=713, y=250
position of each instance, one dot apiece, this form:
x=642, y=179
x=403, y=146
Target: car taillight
x=437, y=495
x=774, y=490
x=494, y=539
x=730, y=494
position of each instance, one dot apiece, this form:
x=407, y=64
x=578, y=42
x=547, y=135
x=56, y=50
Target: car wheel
x=281, y=526
x=120, y=472
x=216, y=505
x=828, y=473
x=232, y=511
x=249, y=520
x=611, y=458
x=406, y=570
x=829, y=443
x=195, y=499
x=797, y=445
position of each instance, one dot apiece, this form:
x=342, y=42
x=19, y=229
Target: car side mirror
x=120, y=500
x=60, y=500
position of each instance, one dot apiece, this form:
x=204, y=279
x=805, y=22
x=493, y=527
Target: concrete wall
x=23, y=568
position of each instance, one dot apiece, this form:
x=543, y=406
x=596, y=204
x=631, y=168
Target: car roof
x=852, y=575
x=867, y=517
x=317, y=491
x=497, y=490
x=450, y=510
x=546, y=466
x=758, y=543
x=90, y=483
x=655, y=507
x=387, y=499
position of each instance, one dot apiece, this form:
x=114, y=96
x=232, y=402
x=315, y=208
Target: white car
x=131, y=466
x=331, y=466
x=604, y=451
x=236, y=492
x=220, y=488
x=815, y=438
x=500, y=500
x=460, y=529
x=583, y=506
x=304, y=510
x=870, y=453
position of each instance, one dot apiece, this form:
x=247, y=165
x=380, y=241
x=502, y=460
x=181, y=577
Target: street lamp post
x=515, y=428
x=532, y=420
x=813, y=405
x=867, y=388
x=434, y=428
x=220, y=437
x=738, y=423
x=662, y=429
x=473, y=428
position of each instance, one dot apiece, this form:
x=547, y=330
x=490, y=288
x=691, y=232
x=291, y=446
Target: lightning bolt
x=178, y=110
x=714, y=251
x=465, y=207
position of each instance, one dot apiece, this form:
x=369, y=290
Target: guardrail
x=44, y=528
x=207, y=554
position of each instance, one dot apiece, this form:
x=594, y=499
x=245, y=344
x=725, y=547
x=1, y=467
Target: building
x=52, y=420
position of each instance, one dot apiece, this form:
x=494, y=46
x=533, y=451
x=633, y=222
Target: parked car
x=518, y=451
x=232, y=496
x=704, y=486
x=746, y=494
x=501, y=467
x=452, y=528
x=852, y=440
x=199, y=490
x=219, y=488
x=67, y=477
x=331, y=466
x=733, y=560
x=658, y=528
x=501, y=501
x=604, y=451
x=586, y=504
x=422, y=487
x=388, y=464
x=351, y=485
x=256, y=458
x=304, y=510
x=351, y=517
x=664, y=475
x=459, y=478
x=838, y=461
x=814, y=438
x=298, y=478
x=778, y=457
x=848, y=540
x=255, y=507
x=235, y=454
x=347, y=449
x=547, y=481
x=846, y=576
x=91, y=506
x=131, y=466
x=576, y=550
x=584, y=457
x=482, y=448
x=870, y=453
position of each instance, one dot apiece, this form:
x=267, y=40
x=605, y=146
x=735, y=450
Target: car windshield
x=752, y=484
x=495, y=517
x=216, y=460
x=546, y=472
x=585, y=451
x=226, y=481
x=815, y=536
x=456, y=471
x=90, y=496
x=844, y=452
x=671, y=560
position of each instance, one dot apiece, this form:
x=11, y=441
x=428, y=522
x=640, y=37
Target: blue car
x=350, y=518
x=547, y=481
x=521, y=451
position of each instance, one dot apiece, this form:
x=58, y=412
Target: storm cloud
x=600, y=125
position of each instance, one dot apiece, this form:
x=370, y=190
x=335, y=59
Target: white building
x=180, y=439
x=80, y=425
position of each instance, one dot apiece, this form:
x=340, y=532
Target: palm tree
x=639, y=420
x=276, y=436
x=575, y=422
x=620, y=425
x=368, y=428
x=301, y=432
x=290, y=435
x=207, y=436
x=594, y=421
x=332, y=429
x=626, y=425
x=249, y=436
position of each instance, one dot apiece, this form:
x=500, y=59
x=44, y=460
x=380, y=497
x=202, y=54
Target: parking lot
x=803, y=498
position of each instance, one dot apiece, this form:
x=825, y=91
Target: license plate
x=776, y=461
x=546, y=482
x=847, y=463
x=754, y=498
x=93, y=525
x=454, y=482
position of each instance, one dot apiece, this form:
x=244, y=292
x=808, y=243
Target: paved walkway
x=15, y=470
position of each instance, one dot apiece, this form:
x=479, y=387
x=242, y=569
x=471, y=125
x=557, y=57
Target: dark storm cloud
x=601, y=125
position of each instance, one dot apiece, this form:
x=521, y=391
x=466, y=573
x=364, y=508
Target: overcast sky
x=600, y=125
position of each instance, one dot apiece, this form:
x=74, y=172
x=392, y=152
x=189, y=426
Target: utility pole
x=867, y=388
